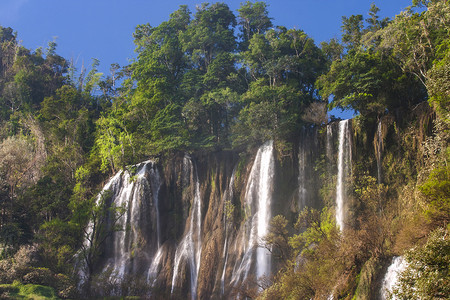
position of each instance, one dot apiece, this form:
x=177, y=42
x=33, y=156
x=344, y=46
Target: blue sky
x=86, y=29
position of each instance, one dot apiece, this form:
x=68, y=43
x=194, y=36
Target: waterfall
x=263, y=256
x=344, y=171
x=154, y=267
x=302, y=162
x=191, y=246
x=81, y=264
x=329, y=150
x=307, y=154
x=391, y=277
x=258, y=194
x=132, y=229
x=156, y=261
x=155, y=187
x=130, y=193
x=227, y=199
x=128, y=197
x=379, y=149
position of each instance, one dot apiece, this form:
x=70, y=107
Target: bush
x=39, y=276
x=427, y=275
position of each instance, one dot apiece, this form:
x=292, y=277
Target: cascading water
x=132, y=195
x=258, y=194
x=191, y=246
x=302, y=162
x=156, y=261
x=153, y=270
x=127, y=197
x=263, y=256
x=81, y=265
x=307, y=152
x=390, y=279
x=329, y=150
x=136, y=231
x=227, y=198
x=378, y=150
x=344, y=171
x=155, y=186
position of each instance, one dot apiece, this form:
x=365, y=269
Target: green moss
x=213, y=179
x=366, y=279
x=17, y=290
x=240, y=167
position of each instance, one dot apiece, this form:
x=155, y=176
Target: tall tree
x=253, y=19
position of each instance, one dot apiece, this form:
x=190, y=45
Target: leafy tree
x=439, y=87
x=158, y=72
x=103, y=222
x=313, y=267
x=58, y=240
x=253, y=19
x=418, y=39
x=426, y=275
x=367, y=79
x=437, y=192
x=277, y=240
x=113, y=142
x=352, y=31
x=210, y=33
x=284, y=65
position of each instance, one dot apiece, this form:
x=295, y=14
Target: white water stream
x=390, y=279
x=379, y=151
x=258, y=195
x=227, y=198
x=344, y=171
x=190, y=247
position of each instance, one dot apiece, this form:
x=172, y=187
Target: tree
x=16, y=174
x=367, y=77
x=314, y=265
x=210, y=33
x=352, y=31
x=418, y=39
x=113, y=142
x=253, y=19
x=438, y=84
x=426, y=275
x=437, y=192
x=277, y=240
x=103, y=222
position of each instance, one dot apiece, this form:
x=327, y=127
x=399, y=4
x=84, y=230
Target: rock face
x=194, y=224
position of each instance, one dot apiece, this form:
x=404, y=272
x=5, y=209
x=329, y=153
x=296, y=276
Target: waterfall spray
x=391, y=277
x=191, y=246
x=258, y=195
x=344, y=170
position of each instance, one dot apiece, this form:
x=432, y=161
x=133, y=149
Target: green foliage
x=437, y=192
x=229, y=211
x=59, y=241
x=27, y=291
x=277, y=238
x=253, y=19
x=313, y=265
x=368, y=78
x=439, y=87
x=317, y=226
x=426, y=275
x=102, y=223
x=113, y=143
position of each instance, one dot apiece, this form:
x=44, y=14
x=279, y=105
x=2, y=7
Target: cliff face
x=194, y=224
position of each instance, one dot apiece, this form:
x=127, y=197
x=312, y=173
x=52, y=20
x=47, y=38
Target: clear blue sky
x=86, y=29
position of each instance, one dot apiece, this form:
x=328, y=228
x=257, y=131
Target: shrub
x=427, y=275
